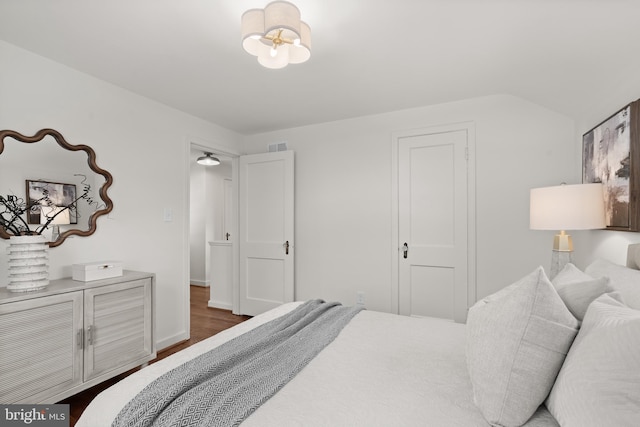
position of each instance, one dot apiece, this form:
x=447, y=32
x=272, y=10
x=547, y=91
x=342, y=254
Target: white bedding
x=382, y=370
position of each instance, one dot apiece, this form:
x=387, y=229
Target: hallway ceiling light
x=276, y=35
x=208, y=160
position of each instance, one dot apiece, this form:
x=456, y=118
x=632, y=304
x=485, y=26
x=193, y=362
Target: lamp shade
x=301, y=51
x=282, y=15
x=274, y=61
x=252, y=30
x=567, y=207
x=60, y=215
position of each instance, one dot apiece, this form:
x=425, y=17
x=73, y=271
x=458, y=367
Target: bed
x=389, y=370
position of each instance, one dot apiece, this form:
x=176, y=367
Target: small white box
x=96, y=270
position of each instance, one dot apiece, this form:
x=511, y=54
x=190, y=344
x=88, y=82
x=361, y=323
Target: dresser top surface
x=60, y=286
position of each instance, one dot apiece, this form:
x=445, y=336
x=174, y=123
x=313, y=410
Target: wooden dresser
x=73, y=335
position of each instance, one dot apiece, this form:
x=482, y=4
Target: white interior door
x=266, y=231
x=432, y=231
x=227, y=219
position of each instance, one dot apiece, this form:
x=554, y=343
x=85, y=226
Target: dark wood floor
x=205, y=322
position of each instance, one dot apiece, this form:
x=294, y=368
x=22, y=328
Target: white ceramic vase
x=28, y=263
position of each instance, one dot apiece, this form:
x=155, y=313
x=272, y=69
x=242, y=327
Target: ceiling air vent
x=278, y=146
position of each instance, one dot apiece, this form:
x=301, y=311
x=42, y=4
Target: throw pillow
x=578, y=289
x=599, y=383
x=624, y=280
x=517, y=340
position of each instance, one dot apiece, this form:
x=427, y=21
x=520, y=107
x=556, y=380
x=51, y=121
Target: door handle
x=405, y=250
x=80, y=338
x=227, y=236
x=286, y=247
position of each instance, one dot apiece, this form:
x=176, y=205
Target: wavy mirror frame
x=91, y=155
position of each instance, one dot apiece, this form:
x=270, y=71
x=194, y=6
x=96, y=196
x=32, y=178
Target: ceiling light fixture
x=208, y=160
x=276, y=35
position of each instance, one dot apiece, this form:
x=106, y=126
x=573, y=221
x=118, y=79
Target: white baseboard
x=202, y=283
x=218, y=304
x=168, y=342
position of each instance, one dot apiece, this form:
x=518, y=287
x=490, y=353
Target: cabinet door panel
x=118, y=326
x=40, y=352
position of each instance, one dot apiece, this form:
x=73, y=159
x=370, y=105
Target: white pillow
x=578, y=289
x=624, y=280
x=517, y=340
x=599, y=383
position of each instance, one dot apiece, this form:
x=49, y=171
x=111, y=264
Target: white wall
x=142, y=143
x=343, y=193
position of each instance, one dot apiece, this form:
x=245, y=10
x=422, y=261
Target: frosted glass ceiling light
x=276, y=35
x=208, y=160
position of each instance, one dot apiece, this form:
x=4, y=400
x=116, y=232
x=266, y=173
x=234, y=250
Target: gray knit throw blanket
x=225, y=385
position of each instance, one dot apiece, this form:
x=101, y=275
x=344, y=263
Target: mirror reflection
x=59, y=184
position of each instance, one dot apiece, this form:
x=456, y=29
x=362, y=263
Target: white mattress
x=382, y=370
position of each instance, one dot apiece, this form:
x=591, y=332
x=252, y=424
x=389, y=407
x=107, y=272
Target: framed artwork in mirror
x=611, y=156
x=50, y=194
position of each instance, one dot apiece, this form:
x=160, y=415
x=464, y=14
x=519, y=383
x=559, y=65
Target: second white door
x=432, y=231
x=266, y=231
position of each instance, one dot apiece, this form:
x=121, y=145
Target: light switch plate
x=168, y=215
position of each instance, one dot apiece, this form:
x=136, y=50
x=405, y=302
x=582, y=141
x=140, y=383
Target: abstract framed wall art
x=610, y=155
x=58, y=193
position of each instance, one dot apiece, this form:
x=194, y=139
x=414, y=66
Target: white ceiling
x=367, y=56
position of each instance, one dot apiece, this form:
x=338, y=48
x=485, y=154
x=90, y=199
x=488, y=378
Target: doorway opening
x=210, y=224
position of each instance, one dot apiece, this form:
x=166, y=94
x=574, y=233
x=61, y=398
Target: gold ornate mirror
x=55, y=185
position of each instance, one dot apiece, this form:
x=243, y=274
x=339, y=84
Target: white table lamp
x=566, y=207
x=61, y=218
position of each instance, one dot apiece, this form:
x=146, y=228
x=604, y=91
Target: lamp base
x=562, y=242
x=558, y=260
x=55, y=232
